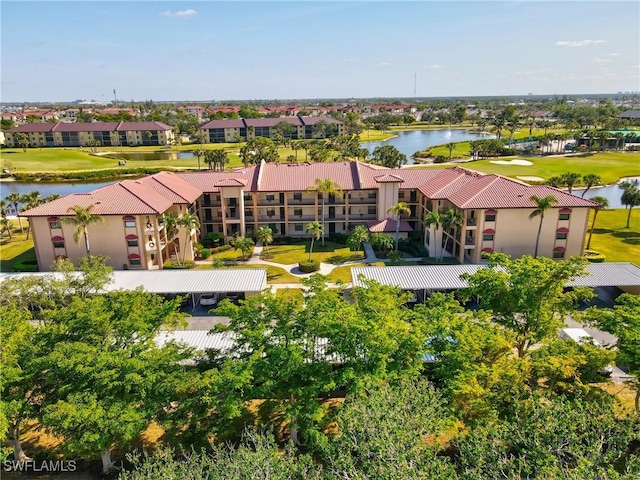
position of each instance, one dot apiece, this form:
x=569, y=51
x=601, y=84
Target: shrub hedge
x=309, y=266
x=172, y=265
x=221, y=248
x=594, y=257
x=25, y=266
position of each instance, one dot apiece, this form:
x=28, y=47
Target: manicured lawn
x=297, y=252
x=612, y=239
x=343, y=274
x=230, y=255
x=291, y=293
x=274, y=274
x=17, y=249
x=610, y=166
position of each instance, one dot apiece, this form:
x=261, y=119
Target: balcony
x=151, y=246
x=302, y=201
x=362, y=201
x=469, y=241
x=262, y=202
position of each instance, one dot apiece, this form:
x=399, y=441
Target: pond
x=411, y=141
x=46, y=189
x=613, y=193
x=152, y=155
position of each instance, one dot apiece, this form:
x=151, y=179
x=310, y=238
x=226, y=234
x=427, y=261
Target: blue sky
x=209, y=50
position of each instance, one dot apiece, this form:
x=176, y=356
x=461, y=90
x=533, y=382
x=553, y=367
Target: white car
x=208, y=299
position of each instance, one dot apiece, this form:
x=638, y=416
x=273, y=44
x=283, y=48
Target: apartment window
x=54, y=222
x=558, y=252
x=247, y=197
x=297, y=196
x=565, y=214
x=271, y=213
x=58, y=242
x=271, y=197
x=371, y=210
x=298, y=227
x=129, y=222
x=298, y=212
x=132, y=240
x=561, y=233
x=487, y=235
x=134, y=260
x=372, y=195
x=490, y=216
x=401, y=194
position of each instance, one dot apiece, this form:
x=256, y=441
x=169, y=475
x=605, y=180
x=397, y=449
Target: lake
x=610, y=192
x=46, y=189
x=152, y=155
x=410, y=141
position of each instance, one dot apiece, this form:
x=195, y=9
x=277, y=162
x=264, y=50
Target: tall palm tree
x=15, y=199
x=630, y=197
x=542, y=205
x=398, y=209
x=451, y=220
x=433, y=218
x=32, y=200
x=591, y=179
x=82, y=218
x=190, y=222
x=6, y=225
x=170, y=223
x=315, y=229
x=326, y=187
x=451, y=146
x=265, y=235
x=199, y=153
x=602, y=204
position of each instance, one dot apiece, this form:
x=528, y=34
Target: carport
x=431, y=278
x=249, y=281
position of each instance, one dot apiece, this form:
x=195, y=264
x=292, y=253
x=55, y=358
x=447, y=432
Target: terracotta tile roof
x=123, y=198
x=87, y=127
x=388, y=225
x=171, y=186
x=388, y=178
x=33, y=128
x=314, y=120
x=231, y=123
x=207, y=180
x=92, y=127
x=271, y=122
x=279, y=177
x=447, y=181
x=413, y=177
x=143, y=126
x=493, y=191
x=232, y=182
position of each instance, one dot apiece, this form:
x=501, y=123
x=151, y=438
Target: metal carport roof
x=447, y=277
x=180, y=281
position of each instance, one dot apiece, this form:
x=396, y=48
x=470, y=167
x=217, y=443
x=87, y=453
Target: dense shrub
x=172, y=265
x=309, y=266
x=440, y=159
x=205, y=253
x=108, y=174
x=25, y=266
x=340, y=238
x=594, y=257
x=221, y=248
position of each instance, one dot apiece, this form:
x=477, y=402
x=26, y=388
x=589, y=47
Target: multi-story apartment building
x=81, y=134
x=494, y=210
x=218, y=131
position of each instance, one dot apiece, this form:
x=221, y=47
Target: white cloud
x=179, y=13
x=384, y=64
x=614, y=54
x=577, y=43
x=434, y=66
x=601, y=60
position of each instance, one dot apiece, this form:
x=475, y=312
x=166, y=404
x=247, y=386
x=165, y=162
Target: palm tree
x=357, y=238
x=4, y=208
x=190, y=222
x=326, y=187
x=15, y=199
x=82, y=218
x=265, y=235
x=451, y=220
x=199, y=154
x=315, y=229
x=570, y=179
x=602, y=204
x=434, y=219
x=32, y=200
x=170, y=223
x=630, y=197
x=591, y=179
x=243, y=244
x=398, y=209
x=6, y=225
x=451, y=146
x=542, y=205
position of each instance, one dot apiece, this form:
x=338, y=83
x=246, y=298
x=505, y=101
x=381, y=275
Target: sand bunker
x=530, y=178
x=516, y=161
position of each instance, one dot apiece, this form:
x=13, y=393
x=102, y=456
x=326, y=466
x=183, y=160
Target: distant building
x=80, y=134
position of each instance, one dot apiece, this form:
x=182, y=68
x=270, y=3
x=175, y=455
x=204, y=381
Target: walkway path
x=325, y=268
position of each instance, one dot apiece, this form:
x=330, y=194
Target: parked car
x=208, y=299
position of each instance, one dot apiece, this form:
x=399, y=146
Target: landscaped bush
x=205, y=252
x=594, y=257
x=221, y=248
x=25, y=266
x=440, y=159
x=340, y=238
x=107, y=174
x=309, y=266
x=172, y=265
